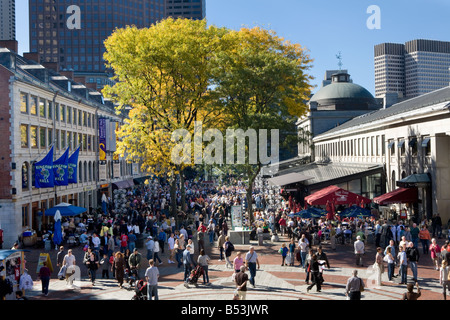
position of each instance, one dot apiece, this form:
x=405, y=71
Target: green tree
x=260, y=82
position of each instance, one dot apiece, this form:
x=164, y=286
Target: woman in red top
x=282, y=223
x=435, y=251
x=424, y=236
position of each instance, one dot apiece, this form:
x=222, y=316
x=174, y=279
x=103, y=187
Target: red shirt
x=123, y=240
x=44, y=272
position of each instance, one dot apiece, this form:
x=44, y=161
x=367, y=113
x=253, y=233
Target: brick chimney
x=33, y=56
x=68, y=74
x=12, y=45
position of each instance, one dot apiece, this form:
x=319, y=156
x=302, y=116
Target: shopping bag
x=62, y=272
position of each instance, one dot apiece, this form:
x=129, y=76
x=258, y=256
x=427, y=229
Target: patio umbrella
x=57, y=235
x=355, y=211
x=65, y=209
x=309, y=213
x=104, y=204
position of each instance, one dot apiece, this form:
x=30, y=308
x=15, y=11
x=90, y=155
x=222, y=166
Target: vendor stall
x=12, y=267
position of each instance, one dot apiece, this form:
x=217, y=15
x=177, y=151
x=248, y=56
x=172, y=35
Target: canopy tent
x=355, y=212
x=415, y=180
x=288, y=179
x=65, y=209
x=335, y=195
x=400, y=195
x=309, y=213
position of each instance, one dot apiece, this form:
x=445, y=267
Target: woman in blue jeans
x=389, y=258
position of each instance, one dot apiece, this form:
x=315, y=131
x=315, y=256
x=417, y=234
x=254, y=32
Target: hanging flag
x=43, y=171
x=61, y=170
x=73, y=166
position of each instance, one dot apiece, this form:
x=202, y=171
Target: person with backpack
x=228, y=248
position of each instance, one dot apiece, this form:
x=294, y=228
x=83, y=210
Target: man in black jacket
x=412, y=254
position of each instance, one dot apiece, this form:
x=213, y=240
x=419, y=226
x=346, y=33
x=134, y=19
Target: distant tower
x=7, y=19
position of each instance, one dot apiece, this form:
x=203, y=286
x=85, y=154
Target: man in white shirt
x=152, y=275
x=171, y=244
x=359, y=250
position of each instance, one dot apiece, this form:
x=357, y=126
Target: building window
x=62, y=113
x=69, y=114
x=426, y=146
x=25, y=173
x=50, y=136
x=24, y=102
x=401, y=146
x=49, y=109
x=42, y=139
x=24, y=135
x=33, y=105
x=42, y=108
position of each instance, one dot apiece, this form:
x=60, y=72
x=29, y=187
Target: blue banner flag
x=60, y=169
x=73, y=166
x=43, y=172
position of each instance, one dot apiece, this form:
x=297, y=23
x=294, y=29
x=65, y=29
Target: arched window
x=25, y=176
x=33, y=170
x=90, y=171
x=85, y=171
x=393, y=180
x=80, y=172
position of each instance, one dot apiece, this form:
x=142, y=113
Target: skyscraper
x=7, y=19
x=411, y=69
x=71, y=34
x=195, y=9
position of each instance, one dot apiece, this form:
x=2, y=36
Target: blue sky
x=324, y=27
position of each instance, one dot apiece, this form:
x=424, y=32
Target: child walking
x=284, y=251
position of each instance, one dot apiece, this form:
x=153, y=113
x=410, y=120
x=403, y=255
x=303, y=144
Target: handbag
x=62, y=272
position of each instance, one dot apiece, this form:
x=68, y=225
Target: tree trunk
x=173, y=196
x=251, y=180
x=183, y=191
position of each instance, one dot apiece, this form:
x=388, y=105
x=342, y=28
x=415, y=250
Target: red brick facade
x=5, y=134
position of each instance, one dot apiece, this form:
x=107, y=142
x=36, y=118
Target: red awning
x=336, y=195
x=400, y=195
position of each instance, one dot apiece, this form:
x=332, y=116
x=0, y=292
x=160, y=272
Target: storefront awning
x=288, y=179
x=417, y=180
x=336, y=195
x=123, y=184
x=400, y=195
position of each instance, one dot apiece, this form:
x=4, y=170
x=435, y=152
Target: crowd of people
x=141, y=218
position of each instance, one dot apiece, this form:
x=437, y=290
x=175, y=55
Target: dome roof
x=341, y=90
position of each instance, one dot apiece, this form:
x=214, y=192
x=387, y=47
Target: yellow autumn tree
x=163, y=74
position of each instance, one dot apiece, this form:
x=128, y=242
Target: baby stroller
x=140, y=291
x=131, y=276
x=195, y=274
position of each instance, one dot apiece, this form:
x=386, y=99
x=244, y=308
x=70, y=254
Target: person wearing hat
x=359, y=251
x=188, y=264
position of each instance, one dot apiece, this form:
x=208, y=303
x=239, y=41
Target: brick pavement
x=273, y=281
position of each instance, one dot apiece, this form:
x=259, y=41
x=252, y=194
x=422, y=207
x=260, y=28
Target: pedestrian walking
x=241, y=283
x=403, y=262
x=444, y=279
x=228, y=248
x=412, y=254
x=203, y=260
x=69, y=262
x=44, y=276
x=156, y=251
x=359, y=251
x=252, y=263
x=92, y=264
x=150, y=245
x=308, y=263
x=389, y=258
x=303, y=249
x=220, y=243
x=134, y=261
x=119, y=268
x=188, y=264
x=284, y=251
x=316, y=275
x=152, y=276
x=424, y=236
x=354, y=287
x=435, y=252
x=238, y=262
x=105, y=266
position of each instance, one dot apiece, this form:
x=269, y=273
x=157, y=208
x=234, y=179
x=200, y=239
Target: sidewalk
x=273, y=281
